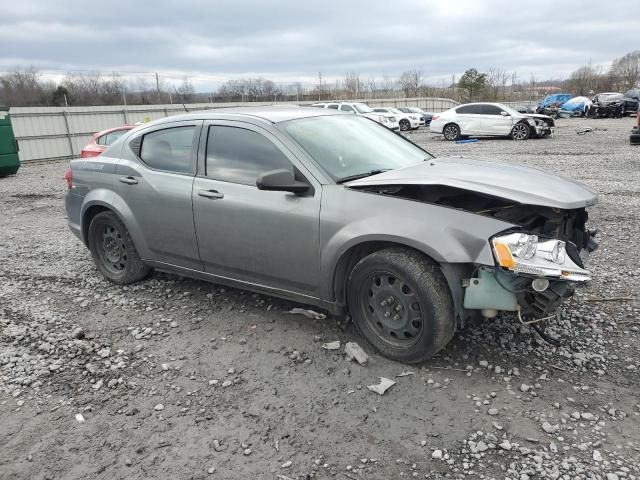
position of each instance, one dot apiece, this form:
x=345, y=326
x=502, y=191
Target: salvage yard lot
x=177, y=378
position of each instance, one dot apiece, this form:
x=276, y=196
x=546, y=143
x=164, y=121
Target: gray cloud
x=285, y=40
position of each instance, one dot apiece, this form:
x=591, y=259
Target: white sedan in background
x=387, y=119
x=407, y=121
x=492, y=120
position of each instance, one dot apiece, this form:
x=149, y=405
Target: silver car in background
x=490, y=119
x=333, y=210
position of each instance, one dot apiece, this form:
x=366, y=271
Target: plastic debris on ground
x=308, y=313
x=405, y=373
x=331, y=345
x=353, y=351
x=384, y=385
x=467, y=140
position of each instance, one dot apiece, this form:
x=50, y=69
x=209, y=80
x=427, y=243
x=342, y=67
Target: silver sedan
x=336, y=211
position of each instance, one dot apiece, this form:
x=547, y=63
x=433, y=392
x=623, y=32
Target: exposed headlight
x=414, y=117
x=392, y=119
x=527, y=254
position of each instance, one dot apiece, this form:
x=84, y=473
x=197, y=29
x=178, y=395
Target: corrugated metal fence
x=57, y=133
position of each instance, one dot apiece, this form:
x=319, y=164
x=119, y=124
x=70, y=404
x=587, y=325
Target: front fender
x=114, y=202
x=445, y=234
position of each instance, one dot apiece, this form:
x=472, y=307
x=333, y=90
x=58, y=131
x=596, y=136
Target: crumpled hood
x=537, y=115
x=519, y=184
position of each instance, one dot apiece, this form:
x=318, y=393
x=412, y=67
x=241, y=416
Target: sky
x=211, y=41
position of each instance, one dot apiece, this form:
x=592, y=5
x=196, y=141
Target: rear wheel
x=113, y=251
x=400, y=302
x=520, y=131
x=451, y=132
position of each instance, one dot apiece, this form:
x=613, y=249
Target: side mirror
x=281, y=181
x=504, y=114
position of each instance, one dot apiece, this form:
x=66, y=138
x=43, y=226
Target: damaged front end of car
x=541, y=125
x=533, y=275
x=537, y=262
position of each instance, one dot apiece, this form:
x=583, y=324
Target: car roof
x=271, y=114
x=482, y=103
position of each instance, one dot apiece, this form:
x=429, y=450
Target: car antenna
x=181, y=98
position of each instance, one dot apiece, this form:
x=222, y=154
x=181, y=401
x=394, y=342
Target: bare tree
x=186, y=91
x=410, y=82
x=496, y=79
x=22, y=87
x=352, y=84
x=388, y=86
x=627, y=69
x=585, y=80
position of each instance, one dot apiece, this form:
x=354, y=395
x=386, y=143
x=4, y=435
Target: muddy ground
x=181, y=379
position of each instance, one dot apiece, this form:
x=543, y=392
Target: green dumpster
x=9, y=161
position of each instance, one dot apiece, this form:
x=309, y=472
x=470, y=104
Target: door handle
x=214, y=194
x=128, y=180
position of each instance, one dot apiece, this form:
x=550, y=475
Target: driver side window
x=238, y=155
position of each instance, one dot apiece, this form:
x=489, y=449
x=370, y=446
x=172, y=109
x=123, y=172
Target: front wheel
x=113, y=250
x=520, y=131
x=401, y=303
x=405, y=125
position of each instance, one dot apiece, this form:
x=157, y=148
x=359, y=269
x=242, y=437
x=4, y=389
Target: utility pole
x=319, y=85
x=158, y=87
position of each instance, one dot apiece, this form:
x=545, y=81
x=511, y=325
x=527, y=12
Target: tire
x=113, y=250
x=451, y=132
x=411, y=286
x=520, y=131
x=405, y=125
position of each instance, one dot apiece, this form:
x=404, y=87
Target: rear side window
x=347, y=108
x=169, y=149
x=238, y=155
x=491, y=110
x=334, y=106
x=471, y=109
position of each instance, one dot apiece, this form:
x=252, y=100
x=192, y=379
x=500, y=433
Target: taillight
x=68, y=176
x=435, y=117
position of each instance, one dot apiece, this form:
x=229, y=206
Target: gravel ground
x=176, y=378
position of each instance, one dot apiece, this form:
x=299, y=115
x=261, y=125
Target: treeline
x=26, y=87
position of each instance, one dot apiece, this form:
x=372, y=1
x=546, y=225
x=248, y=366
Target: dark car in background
x=635, y=132
x=613, y=104
x=631, y=98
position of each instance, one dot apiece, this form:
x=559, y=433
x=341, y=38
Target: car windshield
x=349, y=147
x=609, y=96
x=394, y=110
x=416, y=110
x=362, y=108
